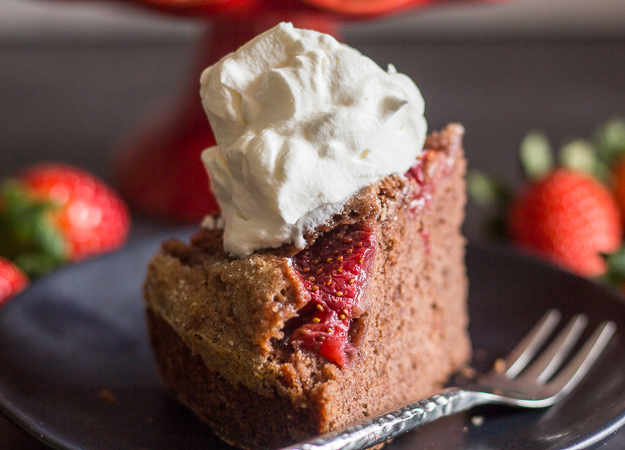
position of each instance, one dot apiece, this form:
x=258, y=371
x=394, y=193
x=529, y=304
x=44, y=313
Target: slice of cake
x=307, y=313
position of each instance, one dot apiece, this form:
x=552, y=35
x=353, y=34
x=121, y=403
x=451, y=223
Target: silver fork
x=508, y=383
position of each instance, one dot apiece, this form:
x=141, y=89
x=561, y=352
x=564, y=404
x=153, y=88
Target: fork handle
x=387, y=426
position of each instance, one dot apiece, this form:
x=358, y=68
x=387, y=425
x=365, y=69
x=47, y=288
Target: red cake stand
x=159, y=171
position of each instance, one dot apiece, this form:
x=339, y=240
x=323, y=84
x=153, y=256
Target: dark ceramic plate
x=76, y=369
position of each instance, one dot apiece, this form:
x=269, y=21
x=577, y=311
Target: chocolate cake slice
x=285, y=344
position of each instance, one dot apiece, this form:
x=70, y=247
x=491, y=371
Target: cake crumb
x=477, y=421
x=107, y=396
x=465, y=429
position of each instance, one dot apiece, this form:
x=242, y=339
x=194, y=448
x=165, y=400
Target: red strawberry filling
x=335, y=270
x=425, y=194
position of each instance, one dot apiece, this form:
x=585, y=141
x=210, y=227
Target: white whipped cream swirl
x=302, y=123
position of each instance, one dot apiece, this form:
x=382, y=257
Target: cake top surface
x=302, y=122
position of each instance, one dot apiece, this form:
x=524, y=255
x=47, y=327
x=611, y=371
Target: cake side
x=218, y=323
x=416, y=331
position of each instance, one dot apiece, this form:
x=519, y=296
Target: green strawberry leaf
x=615, y=274
x=581, y=155
x=37, y=264
x=487, y=190
x=27, y=235
x=610, y=140
x=536, y=155
x=491, y=193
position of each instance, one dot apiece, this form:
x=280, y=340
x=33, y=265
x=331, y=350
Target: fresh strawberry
x=12, y=280
x=335, y=270
x=618, y=184
x=54, y=213
x=568, y=217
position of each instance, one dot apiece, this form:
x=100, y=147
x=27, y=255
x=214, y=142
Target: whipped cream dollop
x=302, y=122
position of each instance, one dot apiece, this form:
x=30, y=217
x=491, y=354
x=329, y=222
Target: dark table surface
x=76, y=102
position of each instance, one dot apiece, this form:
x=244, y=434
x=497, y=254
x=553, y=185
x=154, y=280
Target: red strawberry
x=12, y=280
x=618, y=183
x=54, y=213
x=569, y=218
x=335, y=270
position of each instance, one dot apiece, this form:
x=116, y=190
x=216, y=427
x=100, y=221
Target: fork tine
x=550, y=359
x=575, y=370
x=531, y=343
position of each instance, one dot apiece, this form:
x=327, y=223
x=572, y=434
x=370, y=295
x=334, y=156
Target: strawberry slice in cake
x=335, y=271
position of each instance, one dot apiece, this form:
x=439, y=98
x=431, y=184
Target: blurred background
x=77, y=79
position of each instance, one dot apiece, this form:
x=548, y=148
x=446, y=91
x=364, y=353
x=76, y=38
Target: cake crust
x=218, y=323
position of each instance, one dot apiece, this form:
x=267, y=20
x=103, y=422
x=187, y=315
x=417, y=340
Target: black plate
x=74, y=338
